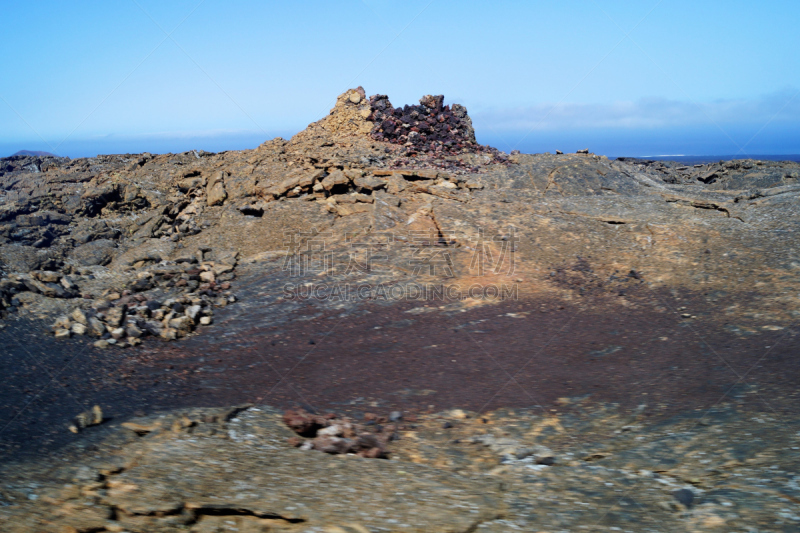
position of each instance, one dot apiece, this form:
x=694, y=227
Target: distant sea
x=698, y=159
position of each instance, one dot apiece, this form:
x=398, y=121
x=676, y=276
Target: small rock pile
x=123, y=317
x=124, y=324
x=428, y=127
x=335, y=434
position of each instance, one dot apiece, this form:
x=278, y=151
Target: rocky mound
x=121, y=235
x=428, y=134
x=349, y=117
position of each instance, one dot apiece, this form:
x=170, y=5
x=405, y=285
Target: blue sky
x=621, y=78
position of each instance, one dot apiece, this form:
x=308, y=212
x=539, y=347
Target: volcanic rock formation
x=439, y=261
x=149, y=244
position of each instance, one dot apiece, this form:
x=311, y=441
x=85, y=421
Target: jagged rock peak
x=347, y=118
x=431, y=126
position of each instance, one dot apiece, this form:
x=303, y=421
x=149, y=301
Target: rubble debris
x=334, y=434
x=92, y=417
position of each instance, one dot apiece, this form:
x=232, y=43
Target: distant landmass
x=33, y=152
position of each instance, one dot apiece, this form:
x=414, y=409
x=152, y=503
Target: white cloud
x=643, y=114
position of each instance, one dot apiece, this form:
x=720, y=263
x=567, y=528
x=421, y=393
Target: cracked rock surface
x=580, y=468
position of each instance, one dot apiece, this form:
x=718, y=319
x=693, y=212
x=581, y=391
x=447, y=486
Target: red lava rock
x=301, y=423
x=430, y=127
x=349, y=438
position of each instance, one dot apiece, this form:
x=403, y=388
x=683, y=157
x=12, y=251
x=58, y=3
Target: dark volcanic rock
x=15, y=258
x=97, y=252
x=427, y=127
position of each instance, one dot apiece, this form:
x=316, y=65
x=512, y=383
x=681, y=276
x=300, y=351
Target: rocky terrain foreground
x=465, y=340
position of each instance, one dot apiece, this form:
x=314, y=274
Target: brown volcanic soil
x=377, y=357
x=483, y=359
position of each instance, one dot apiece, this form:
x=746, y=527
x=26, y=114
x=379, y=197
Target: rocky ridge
x=124, y=233
x=132, y=231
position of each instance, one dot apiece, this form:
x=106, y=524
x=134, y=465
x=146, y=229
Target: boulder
x=94, y=253
x=90, y=229
x=369, y=183
x=115, y=316
x=215, y=190
x=96, y=328
x=337, y=177
x=182, y=325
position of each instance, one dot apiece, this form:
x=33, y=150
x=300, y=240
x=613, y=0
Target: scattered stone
x=79, y=316
x=430, y=127
x=684, y=496
x=96, y=328
x=115, y=315
x=62, y=323
x=333, y=434
x=92, y=417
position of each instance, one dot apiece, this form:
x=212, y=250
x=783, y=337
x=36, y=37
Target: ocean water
x=698, y=159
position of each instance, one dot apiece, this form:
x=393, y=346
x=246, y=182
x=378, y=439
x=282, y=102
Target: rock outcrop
x=153, y=228
x=212, y=470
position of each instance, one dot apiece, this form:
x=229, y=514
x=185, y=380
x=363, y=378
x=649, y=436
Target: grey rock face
x=97, y=252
